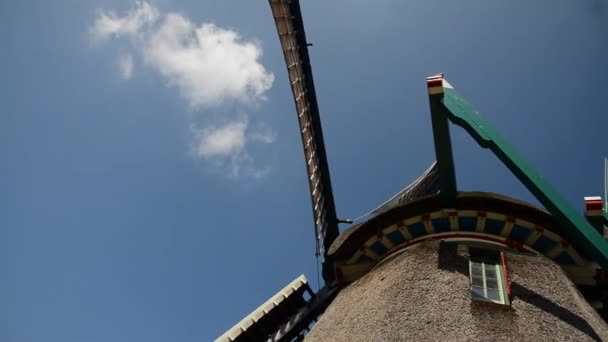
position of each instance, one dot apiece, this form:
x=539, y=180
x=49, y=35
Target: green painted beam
x=443, y=152
x=580, y=232
x=598, y=222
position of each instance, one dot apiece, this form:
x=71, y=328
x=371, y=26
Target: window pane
x=492, y=283
x=477, y=293
x=494, y=295
x=477, y=281
x=476, y=271
x=491, y=273
x=489, y=266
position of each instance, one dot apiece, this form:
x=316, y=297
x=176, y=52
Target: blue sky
x=153, y=184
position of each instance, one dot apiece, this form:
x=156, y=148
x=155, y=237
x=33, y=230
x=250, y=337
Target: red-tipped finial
x=593, y=203
x=435, y=84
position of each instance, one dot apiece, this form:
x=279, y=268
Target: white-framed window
x=488, y=279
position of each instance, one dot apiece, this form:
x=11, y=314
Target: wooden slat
x=252, y=321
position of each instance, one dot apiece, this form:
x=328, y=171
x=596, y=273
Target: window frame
x=483, y=287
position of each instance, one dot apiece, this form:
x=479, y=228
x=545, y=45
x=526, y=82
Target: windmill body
x=432, y=262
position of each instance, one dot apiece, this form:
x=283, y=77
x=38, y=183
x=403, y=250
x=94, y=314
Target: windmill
x=486, y=228
x=290, y=27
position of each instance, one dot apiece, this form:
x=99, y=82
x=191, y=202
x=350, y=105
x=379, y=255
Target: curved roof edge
x=511, y=222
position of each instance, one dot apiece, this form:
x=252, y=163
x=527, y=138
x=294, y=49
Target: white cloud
x=225, y=148
x=125, y=64
x=108, y=24
x=266, y=136
x=209, y=66
x=228, y=140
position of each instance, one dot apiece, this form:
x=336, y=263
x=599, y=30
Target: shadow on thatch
x=531, y=297
x=449, y=260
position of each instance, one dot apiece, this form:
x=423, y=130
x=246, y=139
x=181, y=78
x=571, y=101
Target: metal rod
x=605, y=184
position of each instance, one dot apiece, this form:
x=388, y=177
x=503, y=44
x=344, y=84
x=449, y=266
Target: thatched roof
x=417, y=296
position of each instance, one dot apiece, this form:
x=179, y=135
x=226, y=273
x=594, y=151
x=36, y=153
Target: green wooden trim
x=443, y=152
x=597, y=222
x=579, y=231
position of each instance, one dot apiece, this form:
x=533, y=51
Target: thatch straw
x=419, y=296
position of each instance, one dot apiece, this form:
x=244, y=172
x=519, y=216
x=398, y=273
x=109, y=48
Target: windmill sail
x=288, y=20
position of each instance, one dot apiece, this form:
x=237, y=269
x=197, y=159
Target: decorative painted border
x=481, y=217
x=494, y=227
